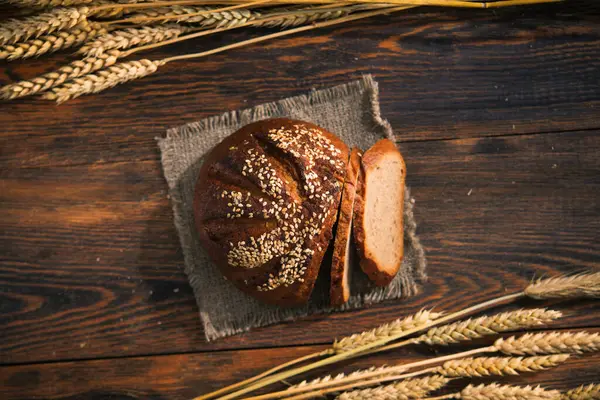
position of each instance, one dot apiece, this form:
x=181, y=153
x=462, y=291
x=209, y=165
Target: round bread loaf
x=265, y=203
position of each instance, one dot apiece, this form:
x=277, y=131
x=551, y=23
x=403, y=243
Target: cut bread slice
x=342, y=252
x=378, y=212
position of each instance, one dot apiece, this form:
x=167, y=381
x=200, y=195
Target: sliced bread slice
x=378, y=212
x=342, y=252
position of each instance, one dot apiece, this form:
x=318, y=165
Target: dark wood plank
x=90, y=264
x=189, y=375
x=443, y=74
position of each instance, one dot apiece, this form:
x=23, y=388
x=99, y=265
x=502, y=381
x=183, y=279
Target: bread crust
x=368, y=262
x=339, y=292
x=265, y=202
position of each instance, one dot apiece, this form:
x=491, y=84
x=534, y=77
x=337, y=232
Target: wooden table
x=496, y=112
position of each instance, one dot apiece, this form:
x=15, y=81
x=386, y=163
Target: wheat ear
x=487, y=325
x=179, y=13
x=487, y=366
x=338, y=377
x=495, y=391
x=568, y=287
x=103, y=79
x=583, y=392
x=407, y=389
x=52, y=42
x=49, y=3
x=54, y=20
x=420, y=320
x=287, y=19
x=127, y=38
x=52, y=79
x=549, y=343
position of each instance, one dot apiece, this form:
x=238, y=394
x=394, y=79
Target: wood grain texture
x=443, y=74
x=91, y=265
x=497, y=115
x=188, y=375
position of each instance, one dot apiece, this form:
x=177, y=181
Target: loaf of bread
x=265, y=203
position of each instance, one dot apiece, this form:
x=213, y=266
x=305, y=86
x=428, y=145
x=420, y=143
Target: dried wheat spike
x=49, y=3
x=487, y=366
x=549, y=343
x=220, y=19
x=495, y=391
x=566, y=287
x=127, y=38
x=406, y=389
x=17, y=30
x=330, y=378
x=487, y=325
x=103, y=79
x=58, y=77
x=305, y=17
x=583, y=392
x=52, y=42
x=420, y=319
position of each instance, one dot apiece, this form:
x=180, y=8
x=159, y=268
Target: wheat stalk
x=103, y=79
x=541, y=343
x=487, y=325
x=127, y=38
x=583, y=392
x=52, y=42
x=495, y=391
x=218, y=19
x=289, y=18
x=487, y=366
x=52, y=79
x=54, y=20
x=420, y=320
x=338, y=377
x=113, y=12
x=569, y=287
x=549, y=343
x=407, y=389
x=49, y=3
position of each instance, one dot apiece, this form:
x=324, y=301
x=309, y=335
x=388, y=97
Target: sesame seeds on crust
x=298, y=222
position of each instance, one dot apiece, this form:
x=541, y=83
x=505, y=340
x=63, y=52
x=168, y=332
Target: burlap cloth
x=350, y=111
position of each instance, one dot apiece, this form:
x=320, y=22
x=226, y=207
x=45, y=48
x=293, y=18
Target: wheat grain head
x=49, y=3
x=549, y=343
x=57, y=19
x=127, y=38
x=583, y=392
x=179, y=13
x=52, y=42
x=55, y=78
x=301, y=17
x=488, y=366
x=402, y=390
x=495, y=391
x=420, y=319
x=487, y=325
x=103, y=79
x=333, y=378
x=566, y=287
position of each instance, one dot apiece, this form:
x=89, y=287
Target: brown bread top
x=378, y=212
x=342, y=248
x=265, y=203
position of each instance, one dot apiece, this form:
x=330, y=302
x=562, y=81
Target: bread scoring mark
x=297, y=226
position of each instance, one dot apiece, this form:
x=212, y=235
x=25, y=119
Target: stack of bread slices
x=274, y=196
